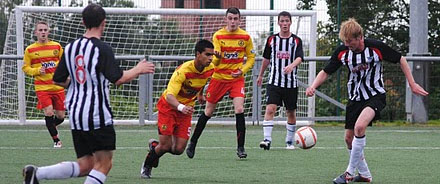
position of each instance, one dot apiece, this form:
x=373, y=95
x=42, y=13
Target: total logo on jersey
x=283, y=55
x=50, y=64
x=230, y=55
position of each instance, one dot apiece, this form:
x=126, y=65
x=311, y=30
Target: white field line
x=230, y=148
x=233, y=131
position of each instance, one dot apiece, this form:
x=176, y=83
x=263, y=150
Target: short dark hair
x=93, y=15
x=202, y=45
x=233, y=10
x=285, y=14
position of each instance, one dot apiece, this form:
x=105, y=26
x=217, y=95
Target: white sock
x=267, y=129
x=95, y=177
x=358, y=145
x=363, y=167
x=61, y=170
x=290, y=132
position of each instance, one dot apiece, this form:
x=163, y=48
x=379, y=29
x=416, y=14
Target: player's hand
x=288, y=69
x=201, y=99
x=259, y=81
x=146, y=67
x=417, y=89
x=237, y=73
x=218, y=54
x=187, y=110
x=42, y=70
x=310, y=91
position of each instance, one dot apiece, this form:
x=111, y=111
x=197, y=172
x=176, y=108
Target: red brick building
x=192, y=24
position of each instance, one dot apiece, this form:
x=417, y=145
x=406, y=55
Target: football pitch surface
x=407, y=154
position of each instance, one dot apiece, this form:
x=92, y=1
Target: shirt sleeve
x=387, y=53
x=61, y=72
x=27, y=68
x=110, y=67
x=175, y=83
x=267, y=49
x=217, y=48
x=299, y=49
x=335, y=62
x=250, y=55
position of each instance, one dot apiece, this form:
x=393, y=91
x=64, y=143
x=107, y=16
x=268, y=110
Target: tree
x=6, y=7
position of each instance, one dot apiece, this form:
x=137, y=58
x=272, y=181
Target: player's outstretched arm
x=143, y=67
x=320, y=78
x=415, y=88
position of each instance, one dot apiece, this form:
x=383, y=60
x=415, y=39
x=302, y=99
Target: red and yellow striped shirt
x=186, y=82
x=38, y=55
x=233, y=46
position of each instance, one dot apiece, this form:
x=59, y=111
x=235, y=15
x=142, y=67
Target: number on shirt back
x=80, y=71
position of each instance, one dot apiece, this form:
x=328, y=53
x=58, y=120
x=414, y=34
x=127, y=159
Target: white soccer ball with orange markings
x=305, y=137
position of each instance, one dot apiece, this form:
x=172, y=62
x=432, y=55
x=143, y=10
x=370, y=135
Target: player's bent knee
x=239, y=110
x=85, y=167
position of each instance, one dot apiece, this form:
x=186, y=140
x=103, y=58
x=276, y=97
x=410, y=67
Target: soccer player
x=283, y=52
x=40, y=60
x=176, y=106
x=91, y=65
x=363, y=58
x=231, y=44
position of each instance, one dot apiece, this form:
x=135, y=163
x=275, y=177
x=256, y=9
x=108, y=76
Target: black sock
x=241, y=129
x=58, y=121
x=201, y=123
x=50, y=124
x=152, y=159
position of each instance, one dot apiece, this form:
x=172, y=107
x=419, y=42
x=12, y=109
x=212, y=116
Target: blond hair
x=350, y=29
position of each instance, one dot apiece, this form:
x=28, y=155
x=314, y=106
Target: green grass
x=395, y=154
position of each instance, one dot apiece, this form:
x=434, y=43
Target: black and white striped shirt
x=282, y=52
x=91, y=65
x=365, y=68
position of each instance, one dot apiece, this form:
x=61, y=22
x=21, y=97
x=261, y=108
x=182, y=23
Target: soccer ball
x=305, y=137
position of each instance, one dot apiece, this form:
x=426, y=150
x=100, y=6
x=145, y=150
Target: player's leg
x=366, y=116
x=359, y=140
x=237, y=93
x=166, y=123
x=202, y=121
x=101, y=167
x=103, y=143
x=58, y=105
x=353, y=111
x=290, y=97
x=290, y=128
x=273, y=100
x=200, y=126
x=50, y=125
x=68, y=169
x=62, y=170
x=182, y=132
x=268, y=126
x=214, y=94
x=240, y=125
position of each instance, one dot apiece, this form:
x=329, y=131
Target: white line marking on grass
x=227, y=148
x=234, y=131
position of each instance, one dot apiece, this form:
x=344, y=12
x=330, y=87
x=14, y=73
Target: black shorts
x=277, y=95
x=88, y=142
x=354, y=109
